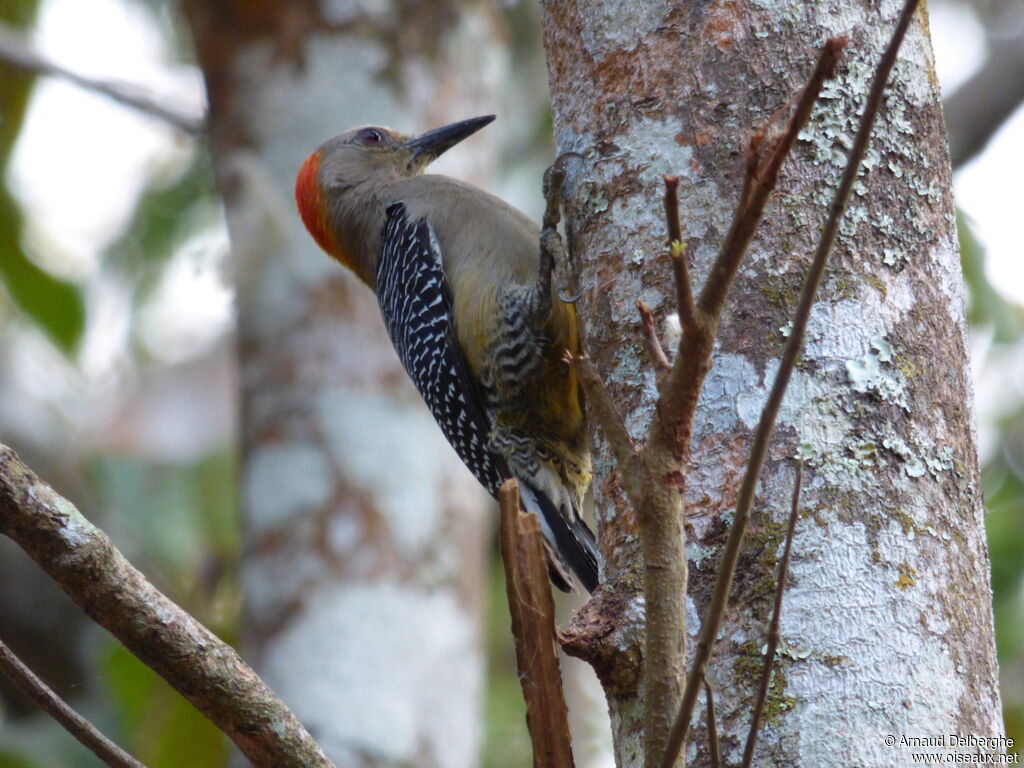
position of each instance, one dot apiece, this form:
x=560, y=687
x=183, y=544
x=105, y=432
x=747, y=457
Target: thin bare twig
x=794, y=348
x=533, y=627
x=753, y=158
x=15, y=51
x=86, y=733
x=773, y=627
x=205, y=670
x=657, y=353
x=680, y=268
x=712, y=726
x=678, y=402
x=824, y=70
x=657, y=489
x=669, y=442
x=762, y=174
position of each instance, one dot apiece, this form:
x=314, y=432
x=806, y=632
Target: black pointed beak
x=432, y=144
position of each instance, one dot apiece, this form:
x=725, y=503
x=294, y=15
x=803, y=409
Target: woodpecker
x=466, y=299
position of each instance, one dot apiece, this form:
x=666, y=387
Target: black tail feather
x=573, y=544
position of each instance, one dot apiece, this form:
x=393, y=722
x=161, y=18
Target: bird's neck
x=356, y=217
x=344, y=221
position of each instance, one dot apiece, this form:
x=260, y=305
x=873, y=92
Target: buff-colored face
x=348, y=160
x=354, y=156
x=364, y=158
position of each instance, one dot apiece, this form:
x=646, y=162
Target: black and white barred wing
x=415, y=301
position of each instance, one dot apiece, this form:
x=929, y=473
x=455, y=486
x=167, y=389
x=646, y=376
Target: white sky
x=81, y=160
x=983, y=187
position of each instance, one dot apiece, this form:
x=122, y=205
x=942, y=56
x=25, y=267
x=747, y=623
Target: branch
x=205, y=670
x=533, y=626
x=773, y=627
x=668, y=445
x=794, y=347
x=713, y=750
x=86, y=733
x=15, y=51
x=678, y=402
x=762, y=175
x=680, y=268
x=654, y=348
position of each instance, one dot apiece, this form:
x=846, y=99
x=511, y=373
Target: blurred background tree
x=118, y=378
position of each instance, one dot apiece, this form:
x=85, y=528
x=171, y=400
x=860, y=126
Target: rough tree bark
x=887, y=626
x=364, y=535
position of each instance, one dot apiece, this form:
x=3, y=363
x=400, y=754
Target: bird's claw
x=569, y=298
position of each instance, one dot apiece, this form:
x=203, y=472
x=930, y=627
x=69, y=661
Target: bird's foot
x=553, y=254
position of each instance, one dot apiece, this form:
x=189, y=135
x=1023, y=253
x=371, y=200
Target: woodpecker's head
x=347, y=170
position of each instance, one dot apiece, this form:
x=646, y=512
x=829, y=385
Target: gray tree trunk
x=887, y=624
x=364, y=534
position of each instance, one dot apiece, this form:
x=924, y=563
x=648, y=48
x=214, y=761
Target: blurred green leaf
x=1002, y=483
x=159, y=726
x=15, y=85
x=985, y=305
x=506, y=739
x=184, y=515
x=1004, y=495
x=172, y=208
x=54, y=304
x=11, y=760
x=154, y=502
x=217, y=514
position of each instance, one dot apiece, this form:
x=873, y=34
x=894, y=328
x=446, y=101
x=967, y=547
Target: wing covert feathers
x=416, y=303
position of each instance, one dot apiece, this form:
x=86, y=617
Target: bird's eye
x=371, y=136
